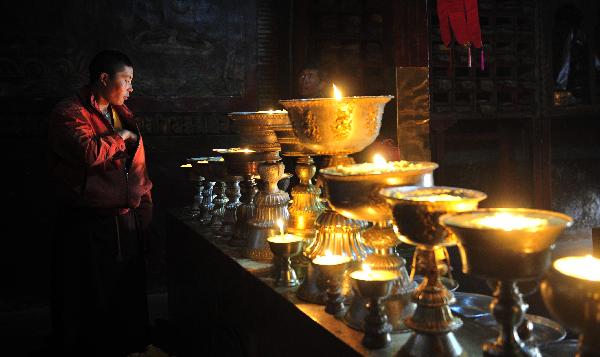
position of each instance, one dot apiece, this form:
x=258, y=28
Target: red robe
x=90, y=163
x=99, y=303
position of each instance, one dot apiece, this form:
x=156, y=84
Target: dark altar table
x=227, y=305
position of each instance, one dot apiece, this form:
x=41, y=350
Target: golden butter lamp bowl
x=357, y=196
x=496, y=253
x=353, y=191
x=201, y=165
x=507, y=245
x=263, y=118
x=416, y=211
x=373, y=290
x=417, y=218
x=575, y=302
x=330, y=126
x=241, y=162
x=283, y=250
x=256, y=129
x=290, y=145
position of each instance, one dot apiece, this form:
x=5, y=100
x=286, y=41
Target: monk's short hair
x=108, y=61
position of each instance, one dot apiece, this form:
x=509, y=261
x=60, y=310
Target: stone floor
x=26, y=330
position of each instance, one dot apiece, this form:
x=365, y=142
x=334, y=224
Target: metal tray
x=544, y=330
x=471, y=305
x=560, y=348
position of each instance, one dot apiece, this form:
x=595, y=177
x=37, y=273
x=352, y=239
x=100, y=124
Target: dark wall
x=501, y=129
x=194, y=61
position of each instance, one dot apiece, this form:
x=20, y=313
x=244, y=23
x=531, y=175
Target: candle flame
x=328, y=253
x=337, y=94
x=280, y=225
x=186, y=165
x=379, y=159
x=366, y=268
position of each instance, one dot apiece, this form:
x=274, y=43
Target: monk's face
x=118, y=86
x=309, y=83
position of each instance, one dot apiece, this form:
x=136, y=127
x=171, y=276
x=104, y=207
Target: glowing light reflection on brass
x=583, y=267
x=509, y=222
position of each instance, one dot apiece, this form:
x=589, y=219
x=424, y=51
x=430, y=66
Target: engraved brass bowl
x=241, y=163
x=507, y=251
x=329, y=126
x=575, y=302
x=518, y=254
x=256, y=129
x=357, y=196
x=290, y=145
x=417, y=219
x=416, y=211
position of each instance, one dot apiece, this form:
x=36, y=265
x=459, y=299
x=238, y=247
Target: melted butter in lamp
x=331, y=259
x=367, y=274
x=272, y=111
x=509, y=222
x=284, y=238
x=584, y=267
x=233, y=150
x=186, y=165
x=380, y=166
x=442, y=197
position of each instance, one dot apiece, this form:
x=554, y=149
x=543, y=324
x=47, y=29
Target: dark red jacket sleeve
x=72, y=136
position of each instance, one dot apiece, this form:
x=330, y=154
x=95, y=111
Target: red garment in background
x=461, y=18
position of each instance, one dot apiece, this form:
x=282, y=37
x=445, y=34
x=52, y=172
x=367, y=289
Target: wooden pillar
x=411, y=55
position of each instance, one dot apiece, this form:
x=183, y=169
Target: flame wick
x=366, y=268
x=379, y=159
x=336, y=93
x=280, y=225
